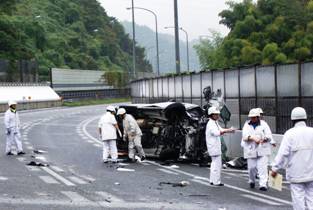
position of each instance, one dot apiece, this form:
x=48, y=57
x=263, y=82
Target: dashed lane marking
x=2, y=178
x=226, y=185
x=49, y=180
x=57, y=169
x=76, y=180
x=261, y=200
x=21, y=159
x=58, y=177
x=30, y=147
x=33, y=168
x=167, y=171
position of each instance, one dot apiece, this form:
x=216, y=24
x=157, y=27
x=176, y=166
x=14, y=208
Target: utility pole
x=176, y=37
x=134, y=41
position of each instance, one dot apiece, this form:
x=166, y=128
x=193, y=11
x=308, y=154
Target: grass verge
x=95, y=101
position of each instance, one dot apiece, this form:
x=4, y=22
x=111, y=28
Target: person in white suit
x=272, y=141
x=133, y=132
x=107, y=131
x=296, y=155
x=256, y=138
x=12, y=129
x=213, y=135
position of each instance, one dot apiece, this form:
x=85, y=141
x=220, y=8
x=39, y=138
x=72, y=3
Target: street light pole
x=176, y=37
x=187, y=41
x=134, y=41
x=156, y=35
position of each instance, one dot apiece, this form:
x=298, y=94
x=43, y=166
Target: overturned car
x=170, y=130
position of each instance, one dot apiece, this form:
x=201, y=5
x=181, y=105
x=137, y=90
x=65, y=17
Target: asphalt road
x=76, y=178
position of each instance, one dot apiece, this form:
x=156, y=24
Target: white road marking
x=77, y=180
x=42, y=158
x=57, y=168
x=2, y=178
x=75, y=197
x=30, y=147
x=167, y=171
x=226, y=185
x=235, y=170
x=58, y=177
x=88, y=178
x=21, y=159
x=89, y=141
x=26, y=142
x=261, y=200
x=109, y=196
x=85, y=123
x=49, y=180
x=97, y=145
x=33, y=168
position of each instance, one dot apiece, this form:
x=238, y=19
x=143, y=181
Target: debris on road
x=34, y=163
x=176, y=184
x=238, y=163
x=39, y=151
x=125, y=169
x=174, y=166
x=117, y=183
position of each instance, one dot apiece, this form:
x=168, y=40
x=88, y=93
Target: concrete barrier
x=28, y=96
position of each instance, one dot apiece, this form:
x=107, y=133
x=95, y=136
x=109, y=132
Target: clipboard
x=275, y=182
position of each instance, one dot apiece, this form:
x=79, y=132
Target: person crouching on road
x=213, y=135
x=12, y=127
x=133, y=133
x=296, y=155
x=255, y=141
x=107, y=132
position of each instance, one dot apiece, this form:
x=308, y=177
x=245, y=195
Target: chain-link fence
x=277, y=89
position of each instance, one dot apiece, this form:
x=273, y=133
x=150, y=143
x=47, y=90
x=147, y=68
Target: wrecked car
x=171, y=130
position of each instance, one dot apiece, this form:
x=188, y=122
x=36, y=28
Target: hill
x=265, y=32
x=66, y=34
x=145, y=37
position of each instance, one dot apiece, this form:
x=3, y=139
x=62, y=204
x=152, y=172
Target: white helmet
x=10, y=103
x=298, y=113
x=111, y=109
x=260, y=110
x=254, y=113
x=213, y=110
x=121, y=111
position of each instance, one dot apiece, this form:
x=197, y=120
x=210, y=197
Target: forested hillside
x=67, y=34
x=266, y=32
x=145, y=37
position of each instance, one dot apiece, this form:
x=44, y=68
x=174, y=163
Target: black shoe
x=263, y=188
x=105, y=161
x=143, y=158
x=21, y=153
x=252, y=185
x=218, y=185
x=9, y=153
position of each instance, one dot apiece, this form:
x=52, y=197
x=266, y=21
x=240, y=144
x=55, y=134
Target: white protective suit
x=213, y=142
x=108, y=136
x=296, y=155
x=257, y=154
x=13, y=135
x=133, y=132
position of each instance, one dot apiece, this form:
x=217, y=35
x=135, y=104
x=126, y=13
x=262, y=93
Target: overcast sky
x=195, y=16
